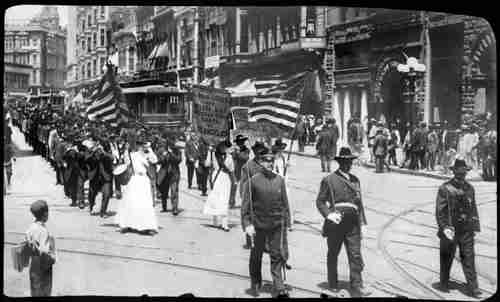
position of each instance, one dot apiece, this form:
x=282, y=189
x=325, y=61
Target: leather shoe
x=176, y=212
x=360, y=292
x=282, y=294
x=476, y=293
x=255, y=289
x=443, y=287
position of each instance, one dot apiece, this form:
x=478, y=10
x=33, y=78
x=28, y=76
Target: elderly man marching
x=457, y=219
x=339, y=202
x=265, y=215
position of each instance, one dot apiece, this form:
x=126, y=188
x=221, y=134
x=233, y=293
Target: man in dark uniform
x=380, y=148
x=265, y=215
x=191, y=152
x=339, y=202
x=249, y=169
x=240, y=156
x=327, y=144
x=203, y=169
x=457, y=219
x=169, y=158
x=100, y=175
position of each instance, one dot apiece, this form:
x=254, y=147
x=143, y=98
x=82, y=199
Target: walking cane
x=251, y=206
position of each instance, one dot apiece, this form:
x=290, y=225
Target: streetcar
x=56, y=101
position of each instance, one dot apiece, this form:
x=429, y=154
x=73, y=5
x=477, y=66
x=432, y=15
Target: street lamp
x=411, y=71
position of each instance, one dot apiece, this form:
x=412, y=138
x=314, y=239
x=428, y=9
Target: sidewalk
x=310, y=151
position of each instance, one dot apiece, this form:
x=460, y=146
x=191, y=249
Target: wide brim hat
x=279, y=145
x=330, y=121
x=460, y=164
x=345, y=154
x=240, y=138
x=258, y=147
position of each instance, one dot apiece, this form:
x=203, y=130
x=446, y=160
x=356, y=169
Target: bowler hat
x=460, y=165
x=259, y=149
x=345, y=153
x=240, y=138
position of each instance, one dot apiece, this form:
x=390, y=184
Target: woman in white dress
x=217, y=203
x=280, y=164
x=135, y=210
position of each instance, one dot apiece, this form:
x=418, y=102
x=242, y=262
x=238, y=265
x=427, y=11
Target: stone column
x=303, y=21
x=336, y=115
x=347, y=116
x=278, y=32
x=196, y=34
x=427, y=78
x=238, y=30
x=364, y=114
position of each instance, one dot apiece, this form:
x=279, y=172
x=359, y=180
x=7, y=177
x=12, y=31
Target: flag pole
x=294, y=129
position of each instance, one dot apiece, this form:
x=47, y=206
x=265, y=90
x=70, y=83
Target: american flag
x=107, y=101
x=278, y=99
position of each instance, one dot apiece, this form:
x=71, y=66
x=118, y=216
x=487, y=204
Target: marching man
x=265, y=215
x=457, y=219
x=339, y=202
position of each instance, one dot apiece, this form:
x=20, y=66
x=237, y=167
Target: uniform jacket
x=456, y=206
x=266, y=192
x=248, y=170
x=75, y=165
x=100, y=168
x=169, y=164
x=60, y=148
x=203, y=153
x=335, y=188
x=240, y=157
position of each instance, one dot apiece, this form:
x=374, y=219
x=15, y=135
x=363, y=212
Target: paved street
x=400, y=249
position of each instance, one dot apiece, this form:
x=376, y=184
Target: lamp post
x=411, y=71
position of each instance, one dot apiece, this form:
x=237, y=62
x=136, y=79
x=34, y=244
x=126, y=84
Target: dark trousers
x=118, y=186
x=379, y=163
x=302, y=142
x=447, y=249
x=74, y=187
x=172, y=187
x=347, y=232
x=190, y=172
x=413, y=160
x=59, y=174
x=392, y=157
x=232, y=193
x=105, y=189
x=326, y=162
x=273, y=236
x=489, y=166
x=431, y=160
x=40, y=278
x=202, y=178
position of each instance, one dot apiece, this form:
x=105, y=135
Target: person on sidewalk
x=458, y=222
x=265, y=216
x=191, y=153
x=203, y=165
x=169, y=158
x=326, y=145
x=393, y=145
x=339, y=202
x=301, y=133
x=43, y=251
x=380, y=151
x=8, y=161
x=431, y=149
x=251, y=168
x=217, y=204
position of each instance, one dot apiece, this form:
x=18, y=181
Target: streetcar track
x=437, y=273
x=185, y=266
x=437, y=248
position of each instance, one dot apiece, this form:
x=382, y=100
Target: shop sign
x=212, y=62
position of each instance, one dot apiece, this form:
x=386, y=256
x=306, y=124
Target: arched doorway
x=391, y=92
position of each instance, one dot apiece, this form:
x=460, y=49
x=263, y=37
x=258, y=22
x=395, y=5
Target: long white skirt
x=218, y=199
x=136, y=207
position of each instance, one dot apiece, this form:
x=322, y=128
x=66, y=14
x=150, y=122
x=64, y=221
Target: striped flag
x=108, y=103
x=278, y=100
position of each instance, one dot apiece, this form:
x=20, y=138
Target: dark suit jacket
x=169, y=165
x=327, y=142
x=192, y=150
x=75, y=165
x=100, y=168
x=240, y=157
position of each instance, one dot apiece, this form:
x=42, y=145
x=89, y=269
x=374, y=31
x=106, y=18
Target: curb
x=418, y=173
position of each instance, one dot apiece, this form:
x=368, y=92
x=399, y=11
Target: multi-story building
x=41, y=44
x=91, y=36
x=124, y=42
x=368, y=44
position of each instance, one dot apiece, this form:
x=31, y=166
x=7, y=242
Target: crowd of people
x=82, y=151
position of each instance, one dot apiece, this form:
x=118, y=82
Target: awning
x=162, y=50
x=153, y=89
x=243, y=89
x=152, y=55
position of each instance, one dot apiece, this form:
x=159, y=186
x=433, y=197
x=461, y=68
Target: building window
x=83, y=72
x=102, y=11
x=89, y=70
x=95, y=16
x=131, y=59
x=94, y=68
x=102, y=62
x=162, y=104
x=102, y=36
x=89, y=20
x=88, y=44
x=95, y=40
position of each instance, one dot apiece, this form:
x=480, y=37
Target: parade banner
x=210, y=110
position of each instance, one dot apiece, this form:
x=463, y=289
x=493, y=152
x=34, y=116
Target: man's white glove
x=250, y=230
x=335, y=217
x=449, y=233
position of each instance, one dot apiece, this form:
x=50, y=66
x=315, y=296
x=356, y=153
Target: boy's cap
x=38, y=207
